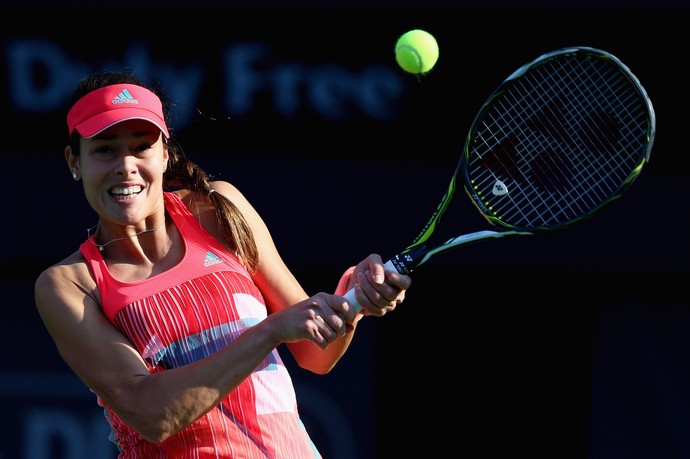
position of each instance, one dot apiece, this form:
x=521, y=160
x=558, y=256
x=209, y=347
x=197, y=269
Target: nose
x=127, y=165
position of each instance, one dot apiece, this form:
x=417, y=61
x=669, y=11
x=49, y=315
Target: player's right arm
x=68, y=303
x=155, y=405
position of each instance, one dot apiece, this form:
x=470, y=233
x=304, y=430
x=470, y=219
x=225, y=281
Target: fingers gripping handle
x=418, y=254
x=350, y=294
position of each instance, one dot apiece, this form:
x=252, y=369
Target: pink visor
x=109, y=105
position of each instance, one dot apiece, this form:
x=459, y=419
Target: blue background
x=570, y=344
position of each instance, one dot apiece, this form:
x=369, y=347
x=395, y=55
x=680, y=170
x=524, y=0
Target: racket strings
x=592, y=129
x=562, y=139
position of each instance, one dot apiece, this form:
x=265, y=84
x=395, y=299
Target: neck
x=102, y=246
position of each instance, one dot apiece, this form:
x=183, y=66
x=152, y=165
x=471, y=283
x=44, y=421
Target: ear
x=72, y=162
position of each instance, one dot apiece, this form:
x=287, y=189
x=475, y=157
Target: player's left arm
x=281, y=289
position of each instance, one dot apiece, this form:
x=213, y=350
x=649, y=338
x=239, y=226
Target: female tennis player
x=172, y=309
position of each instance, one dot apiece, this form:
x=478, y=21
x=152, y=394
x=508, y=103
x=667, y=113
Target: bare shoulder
x=227, y=189
x=68, y=278
x=202, y=202
x=234, y=195
x=67, y=267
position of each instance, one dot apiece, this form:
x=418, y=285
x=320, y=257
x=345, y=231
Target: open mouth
x=129, y=192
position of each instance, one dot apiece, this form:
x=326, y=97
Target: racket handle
x=350, y=294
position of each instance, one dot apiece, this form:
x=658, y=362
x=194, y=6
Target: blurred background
x=569, y=344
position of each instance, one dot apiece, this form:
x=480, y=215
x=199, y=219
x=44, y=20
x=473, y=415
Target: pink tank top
x=185, y=314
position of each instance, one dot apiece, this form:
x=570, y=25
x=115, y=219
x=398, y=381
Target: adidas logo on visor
x=125, y=98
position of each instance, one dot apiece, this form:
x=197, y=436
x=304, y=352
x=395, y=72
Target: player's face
x=122, y=170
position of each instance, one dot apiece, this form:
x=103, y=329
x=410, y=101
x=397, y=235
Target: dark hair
x=182, y=173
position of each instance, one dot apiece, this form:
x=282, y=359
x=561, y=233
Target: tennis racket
x=560, y=138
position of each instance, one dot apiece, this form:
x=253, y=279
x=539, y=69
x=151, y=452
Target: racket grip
x=350, y=294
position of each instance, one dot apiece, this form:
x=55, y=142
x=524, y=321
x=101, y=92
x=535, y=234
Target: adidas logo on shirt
x=125, y=97
x=212, y=259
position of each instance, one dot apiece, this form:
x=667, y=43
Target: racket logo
x=499, y=188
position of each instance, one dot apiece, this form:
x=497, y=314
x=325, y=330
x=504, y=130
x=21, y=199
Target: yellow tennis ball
x=416, y=51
